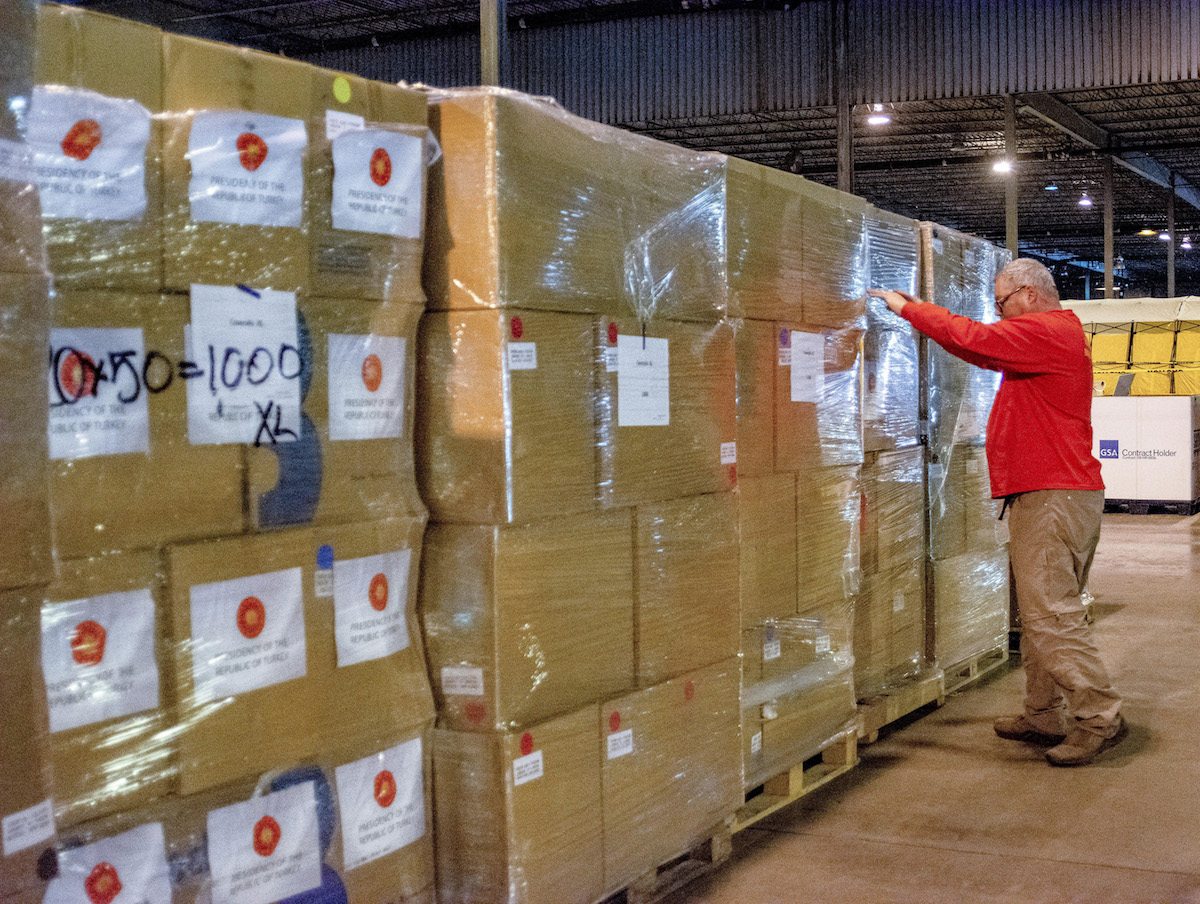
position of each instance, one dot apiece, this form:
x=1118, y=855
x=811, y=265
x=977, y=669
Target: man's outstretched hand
x=894, y=299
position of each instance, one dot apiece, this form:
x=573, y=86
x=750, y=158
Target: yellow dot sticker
x=341, y=89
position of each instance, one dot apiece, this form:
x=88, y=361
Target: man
x=1039, y=450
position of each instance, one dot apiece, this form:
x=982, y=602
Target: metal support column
x=843, y=96
x=1010, y=184
x=493, y=42
x=1171, y=233
x=1109, y=291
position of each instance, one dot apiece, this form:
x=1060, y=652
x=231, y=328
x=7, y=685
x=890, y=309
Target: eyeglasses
x=1001, y=302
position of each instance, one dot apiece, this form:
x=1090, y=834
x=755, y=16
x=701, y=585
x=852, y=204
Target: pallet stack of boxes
x=794, y=274
x=239, y=706
x=27, y=831
x=968, y=547
x=576, y=446
x=889, y=641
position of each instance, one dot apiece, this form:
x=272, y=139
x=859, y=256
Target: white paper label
x=972, y=466
x=27, y=827
x=98, y=658
x=522, y=356
x=247, y=633
x=756, y=743
x=772, y=650
x=620, y=743
x=247, y=169
x=643, y=382
x=338, y=123
x=527, y=768
x=266, y=848
x=785, y=357
x=808, y=366
x=248, y=349
x=98, y=403
x=728, y=453
x=938, y=245
x=611, y=358
x=130, y=868
x=16, y=162
x=381, y=800
x=824, y=644
x=89, y=154
x=462, y=682
x=366, y=386
x=370, y=597
x=898, y=601
x=323, y=583
x=377, y=183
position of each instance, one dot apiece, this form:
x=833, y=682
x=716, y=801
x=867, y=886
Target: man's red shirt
x=1040, y=431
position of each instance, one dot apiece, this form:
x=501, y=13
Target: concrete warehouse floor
x=942, y=810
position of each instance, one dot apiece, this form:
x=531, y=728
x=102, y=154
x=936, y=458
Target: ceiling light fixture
x=1051, y=187
x=1147, y=232
x=1085, y=201
x=1165, y=236
x=1002, y=166
x=1187, y=243
x=878, y=117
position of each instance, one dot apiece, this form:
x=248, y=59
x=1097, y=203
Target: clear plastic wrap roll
x=536, y=208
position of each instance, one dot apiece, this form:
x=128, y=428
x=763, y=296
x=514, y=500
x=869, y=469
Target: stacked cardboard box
x=576, y=444
x=968, y=547
x=233, y=492
x=795, y=262
x=27, y=828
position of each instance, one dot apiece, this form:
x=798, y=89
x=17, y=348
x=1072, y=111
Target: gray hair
x=1025, y=271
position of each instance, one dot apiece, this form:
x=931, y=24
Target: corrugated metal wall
x=705, y=64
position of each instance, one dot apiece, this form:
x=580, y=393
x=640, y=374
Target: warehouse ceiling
x=933, y=160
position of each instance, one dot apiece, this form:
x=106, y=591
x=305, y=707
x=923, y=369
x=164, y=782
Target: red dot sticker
x=517, y=328
x=526, y=744
x=612, y=334
x=476, y=712
x=689, y=691
x=614, y=721
x=733, y=475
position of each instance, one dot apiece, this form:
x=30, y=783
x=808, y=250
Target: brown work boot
x=1083, y=746
x=1019, y=728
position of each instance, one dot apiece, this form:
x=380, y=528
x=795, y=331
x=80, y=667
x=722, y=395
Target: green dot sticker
x=341, y=89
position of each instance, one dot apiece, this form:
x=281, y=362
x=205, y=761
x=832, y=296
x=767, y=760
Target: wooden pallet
x=674, y=874
x=878, y=712
x=839, y=756
x=974, y=668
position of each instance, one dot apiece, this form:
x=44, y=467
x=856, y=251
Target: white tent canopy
x=1136, y=310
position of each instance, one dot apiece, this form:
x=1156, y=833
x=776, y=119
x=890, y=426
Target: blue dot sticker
x=325, y=557
x=783, y=338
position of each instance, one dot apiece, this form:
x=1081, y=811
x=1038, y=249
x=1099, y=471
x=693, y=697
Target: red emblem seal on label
x=251, y=617
x=87, y=643
x=102, y=884
x=77, y=375
x=372, y=372
x=385, y=789
x=378, y=592
x=266, y=836
x=252, y=151
x=381, y=167
x=81, y=139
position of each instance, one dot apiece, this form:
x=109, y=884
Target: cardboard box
x=980, y=511
x=24, y=472
x=767, y=568
x=971, y=606
x=75, y=51
x=354, y=458
x=499, y=443
x=206, y=76
x=119, y=752
x=657, y=448
x=818, y=397
x=25, y=777
x=671, y=768
x=835, y=257
x=519, y=815
x=314, y=658
x=367, y=262
x=686, y=585
x=891, y=378
x=828, y=543
x=803, y=724
x=526, y=623
x=116, y=499
x=535, y=208
x=21, y=247
x=756, y=361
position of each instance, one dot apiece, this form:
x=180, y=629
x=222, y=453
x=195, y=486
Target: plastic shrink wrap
x=238, y=701
x=968, y=545
x=577, y=446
